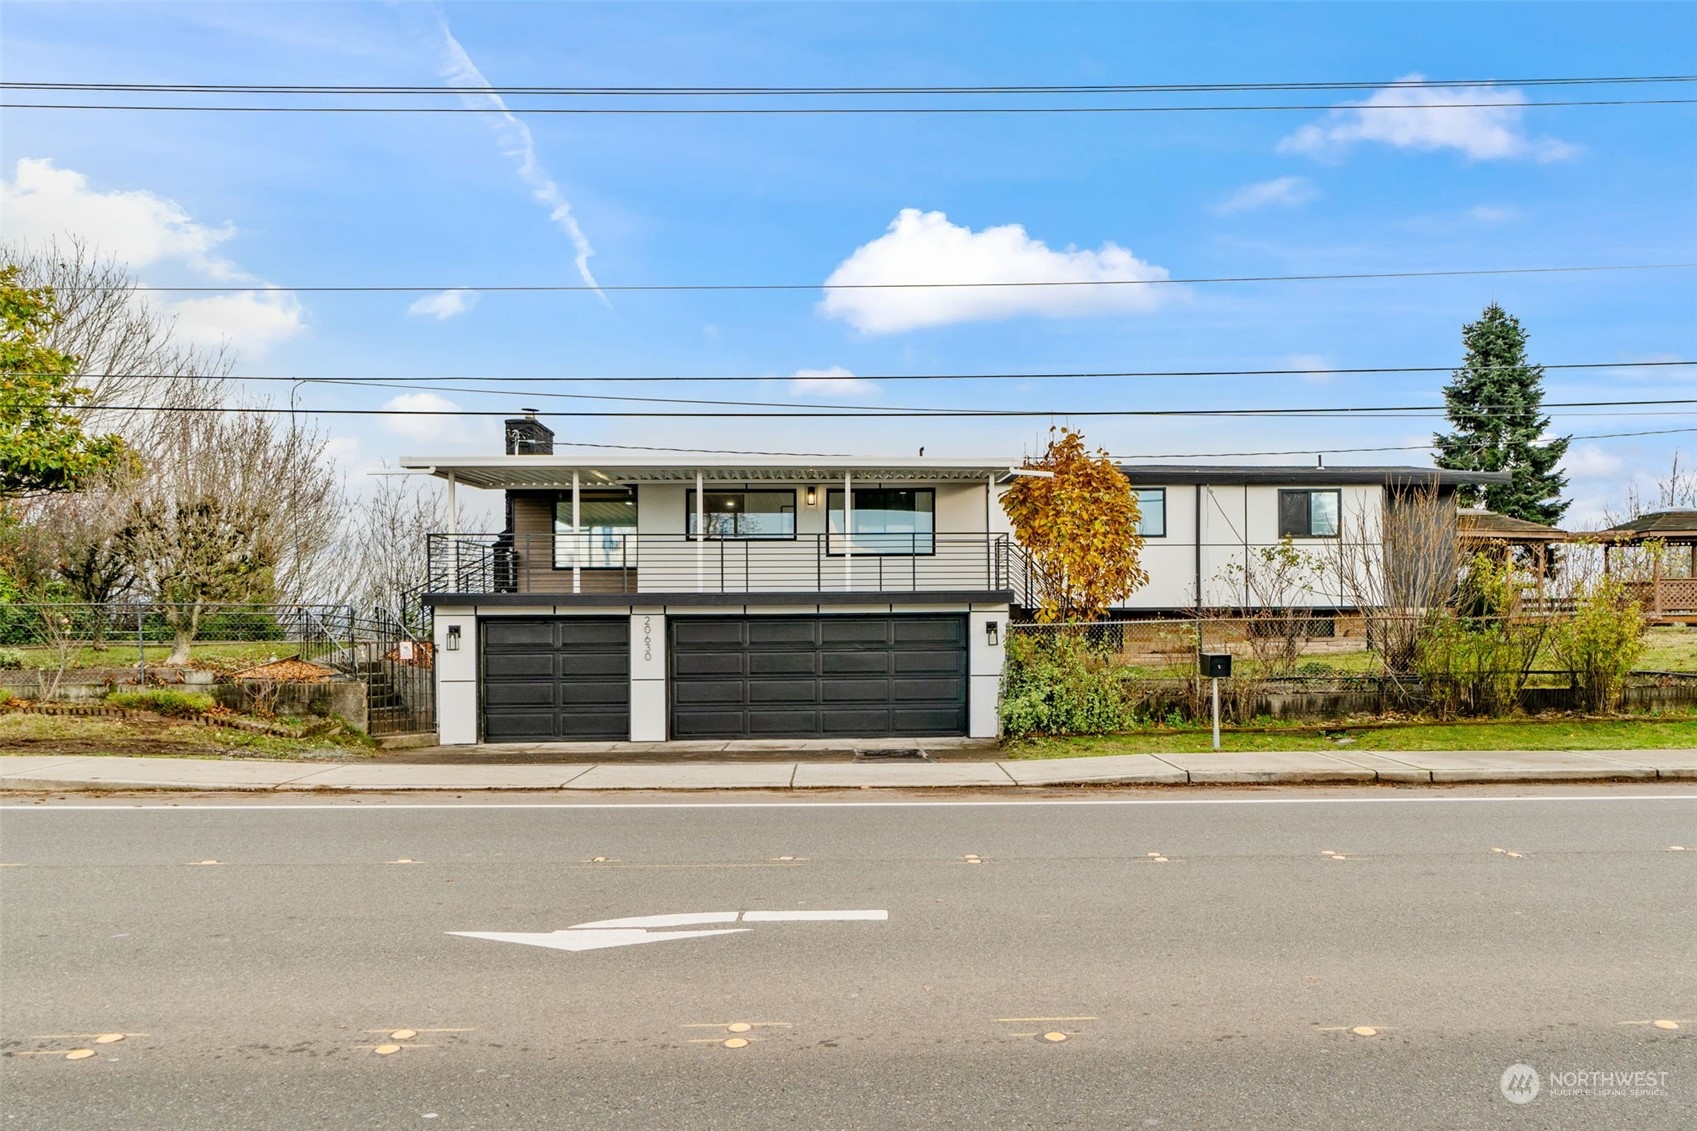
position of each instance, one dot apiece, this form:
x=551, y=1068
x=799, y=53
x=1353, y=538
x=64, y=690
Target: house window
x=1152, y=505
x=1308, y=514
x=606, y=518
x=885, y=521
x=743, y=514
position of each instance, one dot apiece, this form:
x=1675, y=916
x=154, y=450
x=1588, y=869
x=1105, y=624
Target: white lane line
x=589, y=940
x=684, y=919
x=618, y=806
x=812, y=916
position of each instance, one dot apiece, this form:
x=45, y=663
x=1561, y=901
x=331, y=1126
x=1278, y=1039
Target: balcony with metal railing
x=673, y=564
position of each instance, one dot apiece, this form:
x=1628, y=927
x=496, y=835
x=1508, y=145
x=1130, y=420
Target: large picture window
x=1152, y=505
x=606, y=518
x=743, y=514
x=1309, y=514
x=886, y=521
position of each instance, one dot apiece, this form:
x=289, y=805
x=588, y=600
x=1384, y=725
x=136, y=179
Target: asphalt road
x=1202, y=957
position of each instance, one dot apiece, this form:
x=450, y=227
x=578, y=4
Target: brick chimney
x=528, y=436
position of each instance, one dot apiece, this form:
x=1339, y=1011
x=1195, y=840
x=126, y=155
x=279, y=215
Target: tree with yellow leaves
x=1077, y=519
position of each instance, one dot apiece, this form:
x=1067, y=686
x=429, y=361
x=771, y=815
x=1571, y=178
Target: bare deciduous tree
x=1398, y=565
x=386, y=543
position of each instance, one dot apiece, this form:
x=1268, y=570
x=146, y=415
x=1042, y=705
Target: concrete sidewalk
x=40, y=772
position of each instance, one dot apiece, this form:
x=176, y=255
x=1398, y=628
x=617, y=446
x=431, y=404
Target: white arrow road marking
x=604, y=933
x=572, y=939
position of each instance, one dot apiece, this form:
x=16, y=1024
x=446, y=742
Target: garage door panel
x=854, y=663
x=781, y=631
x=783, y=691
x=913, y=630
x=783, y=663
x=692, y=633
x=854, y=630
x=783, y=723
x=539, y=666
x=708, y=663
x=504, y=634
x=615, y=665
x=845, y=676
x=933, y=721
x=920, y=662
x=555, y=678
x=935, y=690
x=709, y=692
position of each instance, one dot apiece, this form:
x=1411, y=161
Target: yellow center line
x=727, y=1024
x=398, y=1028
x=80, y=1036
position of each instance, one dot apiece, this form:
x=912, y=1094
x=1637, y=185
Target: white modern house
x=720, y=597
x=709, y=597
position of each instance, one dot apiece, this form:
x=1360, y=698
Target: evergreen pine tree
x=1495, y=402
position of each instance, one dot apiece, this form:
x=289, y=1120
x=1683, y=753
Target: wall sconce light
x=813, y=496
x=992, y=632
x=453, y=638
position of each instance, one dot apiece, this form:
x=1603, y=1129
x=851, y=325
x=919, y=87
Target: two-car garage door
x=817, y=676
x=568, y=678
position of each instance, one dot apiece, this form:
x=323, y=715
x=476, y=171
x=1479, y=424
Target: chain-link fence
x=264, y=657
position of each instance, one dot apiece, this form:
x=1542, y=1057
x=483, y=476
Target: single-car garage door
x=556, y=678
x=818, y=676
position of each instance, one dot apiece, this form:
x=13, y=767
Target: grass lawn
x=22, y=733
x=1523, y=734
x=122, y=654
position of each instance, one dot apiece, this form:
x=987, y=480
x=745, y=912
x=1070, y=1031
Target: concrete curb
x=36, y=773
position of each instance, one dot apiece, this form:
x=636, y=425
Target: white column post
x=577, y=539
x=700, y=534
x=453, y=554
x=848, y=530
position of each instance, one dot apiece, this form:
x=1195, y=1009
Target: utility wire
x=753, y=111
x=383, y=381
x=791, y=91
x=1353, y=276
x=1387, y=411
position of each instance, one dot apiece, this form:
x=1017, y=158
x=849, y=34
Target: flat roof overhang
x=497, y=472
x=1184, y=474
x=722, y=600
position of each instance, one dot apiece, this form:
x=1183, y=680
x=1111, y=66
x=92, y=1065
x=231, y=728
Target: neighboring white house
x=709, y=597
x=1205, y=528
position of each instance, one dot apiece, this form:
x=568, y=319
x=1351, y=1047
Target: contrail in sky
x=518, y=144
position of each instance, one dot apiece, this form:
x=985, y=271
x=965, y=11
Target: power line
x=796, y=91
x=754, y=111
x=1381, y=448
x=380, y=381
x=1354, y=276
x=1388, y=411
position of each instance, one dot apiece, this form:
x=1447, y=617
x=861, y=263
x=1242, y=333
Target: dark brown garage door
x=556, y=678
x=818, y=676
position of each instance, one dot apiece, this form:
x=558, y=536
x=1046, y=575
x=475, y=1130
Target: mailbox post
x=1216, y=665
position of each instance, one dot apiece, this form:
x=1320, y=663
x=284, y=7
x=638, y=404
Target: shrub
x=1475, y=659
x=1600, y=643
x=11, y=659
x=1058, y=684
x=5, y=696
x=164, y=701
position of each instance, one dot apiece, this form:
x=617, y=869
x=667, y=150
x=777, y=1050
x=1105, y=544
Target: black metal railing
x=673, y=563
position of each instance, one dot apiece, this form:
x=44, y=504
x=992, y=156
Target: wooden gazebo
x=1671, y=592
x=1478, y=529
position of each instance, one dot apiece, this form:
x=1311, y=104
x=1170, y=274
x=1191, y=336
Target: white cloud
x=1493, y=213
x=1286, y=192
x=1487, y=128
x=1588, y=461
x=924, y=247
x=252, y=321
x=833, y=382
x=422, y=429
x=142, y=229
x=519, y=146
x=443, y=305
x=1315, y=365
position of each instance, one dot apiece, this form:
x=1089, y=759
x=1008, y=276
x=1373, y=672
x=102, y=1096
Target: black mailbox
x=1216, y=665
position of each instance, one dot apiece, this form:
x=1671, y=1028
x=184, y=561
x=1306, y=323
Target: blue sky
x=447, y=200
